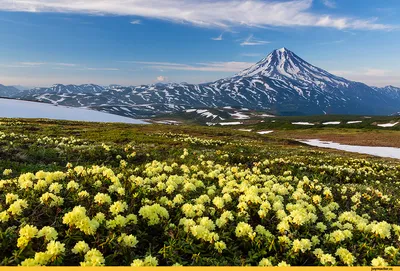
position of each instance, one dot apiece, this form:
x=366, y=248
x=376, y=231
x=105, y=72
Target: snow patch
x=354, y=121
x=386, y=125
x=331, y=123
x=303, y=123
x=230, y=123
x=167, y=122
x=264, y=132
x=376, y=151
x=34, y=110
x=240, y=116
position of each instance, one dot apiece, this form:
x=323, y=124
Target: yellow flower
x=128, y=240
x=100, y=217
x=55, y=188
x=301, y=245
x=101, y=198
x=25, y=181
x=10, y=197
x=29, y=262
x=72, y=185
x=42, y=258
x=327, y=259
x=265, y=262
x=378, y=261
x=381, y=229
x=49, y=233
x=338, y=236
x=283, y=264
x=40, y=185
x=219, y=202
x=345, y=256
x=80, y=247
x=118, y=207
x=244, y=230
x=7, y=172
x=207, y=223
x=55, y=248
x=77, y=217
x=178, y=199
x=83, y=194
x=150, y=261
x=26, y=233
x=93, y=258
x=391, y=251
x=153, y=213
x=137, y=263
x=220, y=246
x=4, y=216
x=17, y=207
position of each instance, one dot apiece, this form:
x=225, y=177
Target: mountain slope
x=281, y=83
x=8, y=91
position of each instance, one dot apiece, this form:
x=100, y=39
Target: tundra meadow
x=154, y=195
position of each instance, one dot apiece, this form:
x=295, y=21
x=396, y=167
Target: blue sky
x=131, y=42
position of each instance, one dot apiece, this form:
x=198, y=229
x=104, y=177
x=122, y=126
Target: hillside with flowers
x=148, y=195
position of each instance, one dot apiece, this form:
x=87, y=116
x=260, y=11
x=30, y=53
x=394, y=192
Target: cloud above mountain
x=231, y=66
x=218, y=13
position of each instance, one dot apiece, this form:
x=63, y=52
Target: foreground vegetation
x=114, y=194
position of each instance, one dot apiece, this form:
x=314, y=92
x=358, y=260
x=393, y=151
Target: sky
x=132, y=42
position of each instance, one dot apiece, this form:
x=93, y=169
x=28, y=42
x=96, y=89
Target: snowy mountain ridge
x=281, y=83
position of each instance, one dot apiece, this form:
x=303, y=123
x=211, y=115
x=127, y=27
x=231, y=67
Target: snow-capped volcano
x=283, y=64
x=282, y=83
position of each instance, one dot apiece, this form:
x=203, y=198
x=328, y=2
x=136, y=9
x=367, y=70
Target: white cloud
x=65, y=64
x=218, y=13
x=371, y=72
x=250, y=41
x=251, y=54
x=371, y=76
x=217, y=38
x=331, y=42
x=161, y=78
x=203, y=67
x=31, y=64
x=136, y=22
x=329, y=3
x=376, y=72
x=99, y=69
x=37, y=64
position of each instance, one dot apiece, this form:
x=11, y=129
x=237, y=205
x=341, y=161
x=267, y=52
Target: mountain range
x=282, y=83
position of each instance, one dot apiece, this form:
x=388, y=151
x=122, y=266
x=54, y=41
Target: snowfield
x=239, y=116
x=331, y=123
x=388, y=152
x=230, y=123
x=264, y=132
x=387, y=125
x=33, y=110
x=354, y=122
x=302, y=123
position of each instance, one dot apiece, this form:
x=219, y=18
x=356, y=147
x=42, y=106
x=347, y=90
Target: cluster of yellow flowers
x=93, y=258
x=345, y=256
x=7, y=172
x=77, y=217
x=210, y=204
x=128, y=240
x=148, y=261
